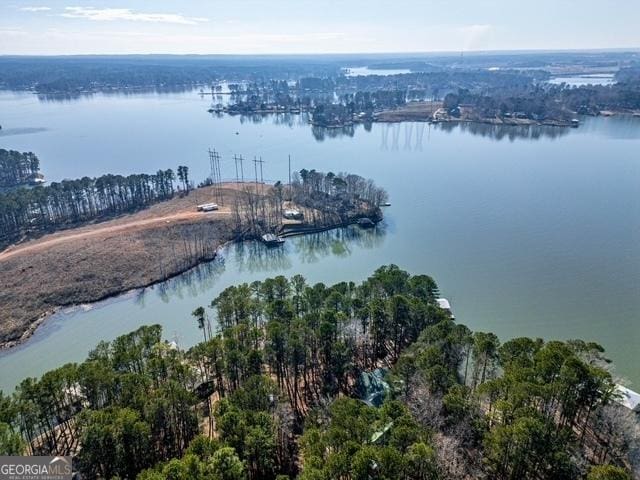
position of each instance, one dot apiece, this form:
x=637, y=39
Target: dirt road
x=106, y=228
x=95, y=261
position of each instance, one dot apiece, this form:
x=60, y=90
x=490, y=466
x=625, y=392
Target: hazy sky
x=321, y=26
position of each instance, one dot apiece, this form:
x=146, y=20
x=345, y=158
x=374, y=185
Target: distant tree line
x=71, y=202
x=341, y=101
x=275, y=389
x=628, y=74
x=17, y=168
x=365, y=94
x=542, y=102
x=75, y=74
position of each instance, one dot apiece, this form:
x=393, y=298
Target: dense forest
x=277, y=389
x=18, y=168
x=72, y=202
x=75, y=74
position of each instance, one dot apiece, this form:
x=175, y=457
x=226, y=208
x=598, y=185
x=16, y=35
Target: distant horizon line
x=635, y=49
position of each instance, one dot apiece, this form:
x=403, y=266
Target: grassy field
x=96, y=261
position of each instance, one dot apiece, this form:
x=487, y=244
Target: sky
x=56, y=27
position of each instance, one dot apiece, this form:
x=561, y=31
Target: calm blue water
x=366, y=71
x=528, y=231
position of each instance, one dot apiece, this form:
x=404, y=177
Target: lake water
x=582, y=80
x=366, y=71
x=528, y=231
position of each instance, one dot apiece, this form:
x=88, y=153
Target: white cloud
x=111, y=14
x=35, y=9
x=13, y=32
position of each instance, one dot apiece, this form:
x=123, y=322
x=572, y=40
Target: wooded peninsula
x=80, y=241
x=350, y=381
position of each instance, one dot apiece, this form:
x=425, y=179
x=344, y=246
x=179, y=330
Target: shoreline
x=7, y=346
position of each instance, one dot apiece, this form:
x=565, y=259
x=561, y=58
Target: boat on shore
x=271, y=240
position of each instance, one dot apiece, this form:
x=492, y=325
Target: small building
x=628, y=398
x=292, y=214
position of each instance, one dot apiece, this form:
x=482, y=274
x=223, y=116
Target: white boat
x=271, y=240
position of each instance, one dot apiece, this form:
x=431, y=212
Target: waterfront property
x=502, y=216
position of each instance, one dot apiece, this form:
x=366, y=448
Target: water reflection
x=291, y=119
x=322, y=133
x=410, y=136
x=64, y=97
x=7, y=132
x=501, y=132
x=254, y=257
x=339, y=243
x=190, y=284
x=284, y=119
